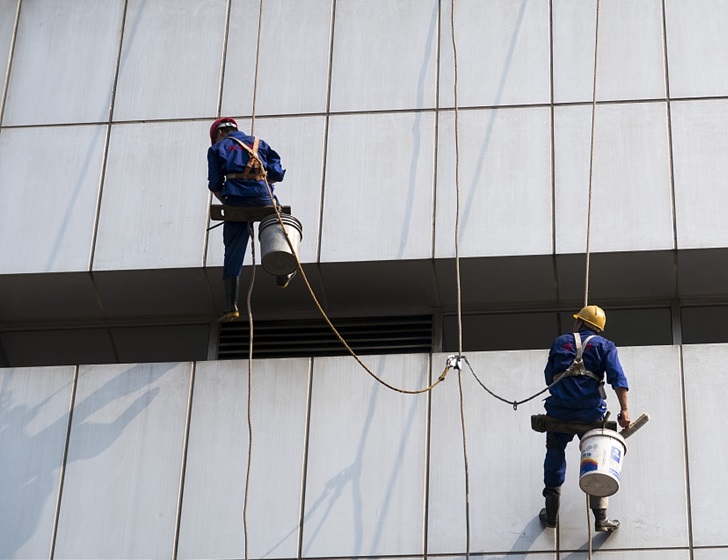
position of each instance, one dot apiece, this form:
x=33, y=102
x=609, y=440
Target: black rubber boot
x=549, y=515
x=602, y=523
x=231, y=299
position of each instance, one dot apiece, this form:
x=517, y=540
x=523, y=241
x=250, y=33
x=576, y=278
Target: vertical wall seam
x=107, y=140
x=327, y=117
x=670, y=151
x=553, y=135
x=428, y=451
x=218, y=110
x=62, y=477
x=681, y=361
x=435, y=166
x=183, y=467
x=304, y=464
x=9, y=65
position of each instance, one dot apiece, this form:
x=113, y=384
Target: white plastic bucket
x=276, y=256
x=602, y=455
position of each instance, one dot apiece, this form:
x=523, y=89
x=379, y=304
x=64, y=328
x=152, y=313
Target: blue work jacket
x=227, y=156
x=578, y=398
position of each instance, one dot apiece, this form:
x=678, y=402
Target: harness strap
x=253, y=170
x=577, y=367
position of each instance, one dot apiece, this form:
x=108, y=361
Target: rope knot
x=454, y=361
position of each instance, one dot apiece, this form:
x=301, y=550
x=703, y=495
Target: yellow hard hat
x=593, y=315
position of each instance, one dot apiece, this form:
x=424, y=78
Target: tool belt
x=544, y=423
x=254, y=170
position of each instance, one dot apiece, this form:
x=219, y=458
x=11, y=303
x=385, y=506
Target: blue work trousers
x=235, y=235
x=554, y=465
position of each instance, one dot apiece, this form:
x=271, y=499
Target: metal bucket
x=602, y=455
x=276, y=256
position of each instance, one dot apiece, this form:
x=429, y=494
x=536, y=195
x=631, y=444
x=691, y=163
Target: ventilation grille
x=305, y=338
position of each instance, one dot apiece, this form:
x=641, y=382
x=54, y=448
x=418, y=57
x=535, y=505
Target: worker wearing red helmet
x=238, y=167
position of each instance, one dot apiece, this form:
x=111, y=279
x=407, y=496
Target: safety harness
x=254, y=170
x=577, y=368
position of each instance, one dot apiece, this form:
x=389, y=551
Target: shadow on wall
x=31, y=462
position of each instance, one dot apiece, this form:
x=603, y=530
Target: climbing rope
x=250, y=389
x=591, y=160
x=589, y=207
x=457, y=276
x=250, y=292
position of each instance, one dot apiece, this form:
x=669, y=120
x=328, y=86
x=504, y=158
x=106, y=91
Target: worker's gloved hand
x=623, y=419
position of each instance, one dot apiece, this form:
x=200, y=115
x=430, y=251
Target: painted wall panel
x=48, y=201
x=57, y=77
x=650, y=503
x=631, y=191
x=170, y=59
x=366, y=458
x=696, y=46
x=502, y=53
x=701, y=184
x=8, y=10
x=366, y=74
x=379, y=173
x=212, y=512
x=239, y=79
x=155, y=199
x=505, y=183
x=122, y=477
x=706, y=426
x=630, y=63
x=34, y=407
x=294, y=72
x=505, y=457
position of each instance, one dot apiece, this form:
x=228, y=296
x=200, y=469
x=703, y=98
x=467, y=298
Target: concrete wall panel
x=631, y=191
x=366, y=459
x=56, y=77
x=124, y=462
x=630, y=57
x=502, y=53
x=697, y=46
x=34, y=407
x=211, y=522
x=48, y=201
x=701, y=188
x=706, y=428
x=170, y=60
x=505, y=183
x=155, y=199
x=378, y=191
x=366, y=74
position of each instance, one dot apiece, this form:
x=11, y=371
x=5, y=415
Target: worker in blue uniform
x=580, y=361
x=238, y=167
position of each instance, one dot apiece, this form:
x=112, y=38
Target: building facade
x=439, y=155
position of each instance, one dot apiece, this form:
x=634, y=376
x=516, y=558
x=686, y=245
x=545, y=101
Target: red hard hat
x=221, y=123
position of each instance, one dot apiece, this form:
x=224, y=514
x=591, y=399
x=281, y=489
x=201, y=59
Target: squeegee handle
x=634, y=426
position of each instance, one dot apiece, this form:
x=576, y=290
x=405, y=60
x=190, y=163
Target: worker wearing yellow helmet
x=577, y=366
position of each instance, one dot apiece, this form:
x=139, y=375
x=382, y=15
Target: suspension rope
x=457, y=276
x=589, y=208
x=250, y=292
x=591, y=159
x=250, y=387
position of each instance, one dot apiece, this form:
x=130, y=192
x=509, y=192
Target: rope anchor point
x=455, y=362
